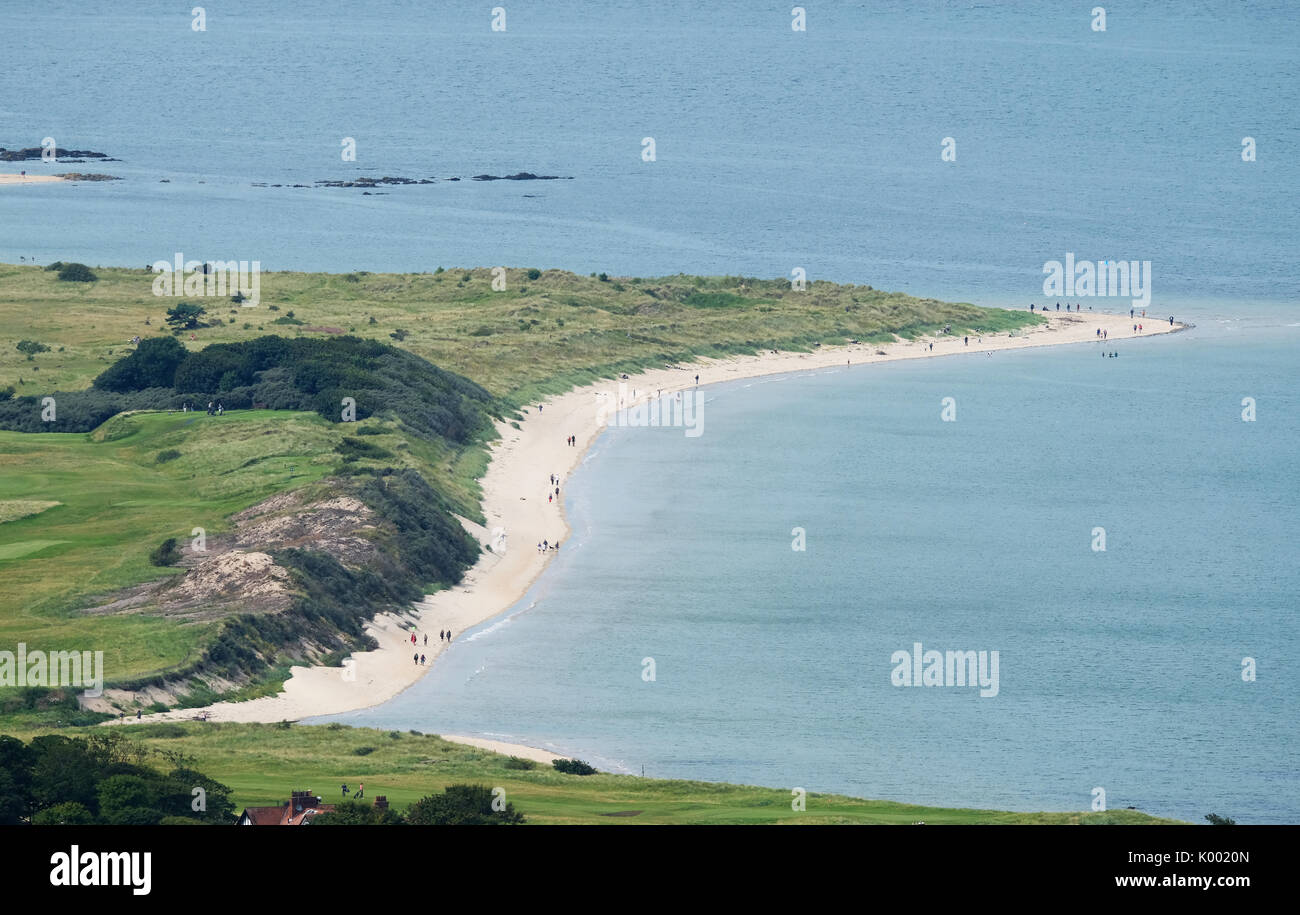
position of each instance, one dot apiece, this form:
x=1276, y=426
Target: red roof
x=283, y=815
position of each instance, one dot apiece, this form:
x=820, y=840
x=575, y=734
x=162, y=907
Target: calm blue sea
x=821, y=150
x=774, y=149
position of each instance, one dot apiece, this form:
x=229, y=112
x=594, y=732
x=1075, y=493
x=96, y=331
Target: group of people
x=419, y=658
x=1058, y=307
x=547, y=545
x=571, y=441
x=361, y=791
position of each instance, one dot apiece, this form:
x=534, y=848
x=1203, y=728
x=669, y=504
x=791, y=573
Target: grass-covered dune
x=546, y=330
x=263, y=763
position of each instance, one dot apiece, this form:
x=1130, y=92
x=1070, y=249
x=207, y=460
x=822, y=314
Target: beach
x=29, y=179
x=519, y=515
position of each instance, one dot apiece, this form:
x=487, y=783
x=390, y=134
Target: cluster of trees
x=282, y=374
x=458, y=805
x=310, y=374
x=103, y=779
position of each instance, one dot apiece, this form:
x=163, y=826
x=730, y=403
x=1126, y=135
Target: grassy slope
x=262, y=763
x=117, y=504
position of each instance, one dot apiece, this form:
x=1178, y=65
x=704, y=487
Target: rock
x=34, y=152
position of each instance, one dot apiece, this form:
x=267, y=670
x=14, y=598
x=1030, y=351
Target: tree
x=358, y=813
x=1215, y=820
x=152, y=365
x=185, y=315
x=69, y=814
x=462, y=805
x=127, y=800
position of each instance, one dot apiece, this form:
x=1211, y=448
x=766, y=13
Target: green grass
x=584, y=329
x=263, y=763
x=116, y=503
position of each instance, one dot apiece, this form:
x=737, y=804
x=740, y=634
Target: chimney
x=381, y=802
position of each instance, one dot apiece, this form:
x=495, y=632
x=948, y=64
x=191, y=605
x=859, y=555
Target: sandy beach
x=515, y=490
x=29, y=179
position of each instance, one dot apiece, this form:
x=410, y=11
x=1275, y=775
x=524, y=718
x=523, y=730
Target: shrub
x=163, y=457
x=363, y=751
x=166, y=553
x=573, y=767
x=76, y=273
x=518, y=762
x=31, y=347
x=534, y=273
x=400, y=334
x=462, y=805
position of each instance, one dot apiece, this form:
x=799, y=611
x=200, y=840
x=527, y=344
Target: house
x=299, y=810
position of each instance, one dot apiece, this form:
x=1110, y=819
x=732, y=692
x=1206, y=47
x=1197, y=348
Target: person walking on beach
x=448, y=636
x=697, y=379
x=1130, y=312
x=426, y=638
x=965, y=341
x=416, y=657
x=1171, y=320
x=439, y=635
x=421, y=660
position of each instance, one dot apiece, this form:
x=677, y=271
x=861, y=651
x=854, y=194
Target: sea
x=945, y=149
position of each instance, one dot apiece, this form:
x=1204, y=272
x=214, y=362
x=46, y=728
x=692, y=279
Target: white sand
x=514, y=503
x=28, y=179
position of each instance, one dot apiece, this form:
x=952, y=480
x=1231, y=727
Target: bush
x=462, y=805
x=518, y=762
x=166, y=553
x=363, y=751
x=573, y=767
x=76, y=273
x=534, y=273
x=163, y=457
x=31, y=347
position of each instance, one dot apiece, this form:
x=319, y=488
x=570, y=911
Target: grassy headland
x=83, y=510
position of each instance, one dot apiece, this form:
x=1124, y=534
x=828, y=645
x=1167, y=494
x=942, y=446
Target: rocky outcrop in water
x=34, y=152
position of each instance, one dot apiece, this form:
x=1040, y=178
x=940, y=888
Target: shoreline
x=519, y=517
x=8, y=179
